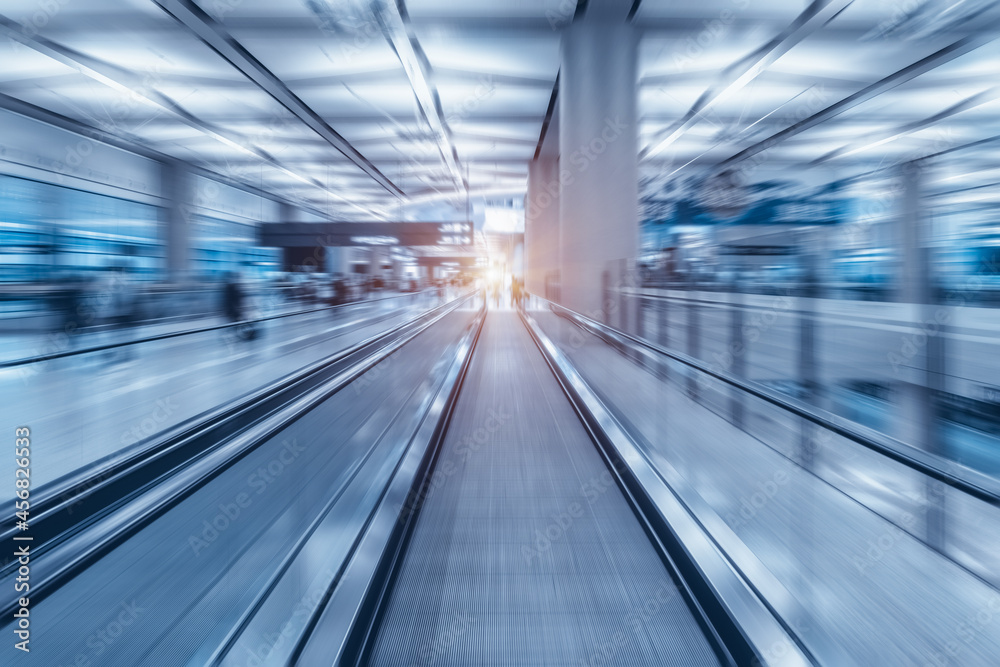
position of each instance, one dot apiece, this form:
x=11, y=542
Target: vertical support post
x=808, y=380
x=693, y=335
x=640, y=315
x=599, y=148
x=919, y=390
x=177, y=192
x=606, y=302
x=541, y=222
x=623, y=322
x=663, y=332
x=738, y=350
x=808, y=369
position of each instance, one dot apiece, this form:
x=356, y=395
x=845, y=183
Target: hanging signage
x=338, y=234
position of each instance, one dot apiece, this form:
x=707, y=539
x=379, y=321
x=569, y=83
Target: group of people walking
x=496, y=290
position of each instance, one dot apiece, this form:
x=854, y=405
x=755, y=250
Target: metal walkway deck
x=525, y=551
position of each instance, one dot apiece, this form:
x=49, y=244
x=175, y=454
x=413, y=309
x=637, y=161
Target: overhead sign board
x=338, y=234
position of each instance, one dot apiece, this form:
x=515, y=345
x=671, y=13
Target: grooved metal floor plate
x=525, y=551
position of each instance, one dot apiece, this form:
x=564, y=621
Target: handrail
x=974, y=483
x=343, y=624
x=73, y=548
x=740, y=611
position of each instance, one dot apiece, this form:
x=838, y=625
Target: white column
x=177, y=190
x=336, y=260
x=598, y=146
x=541, y=226
x=924, y=374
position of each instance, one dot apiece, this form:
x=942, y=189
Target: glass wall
x=220, y=245
x=49, y=232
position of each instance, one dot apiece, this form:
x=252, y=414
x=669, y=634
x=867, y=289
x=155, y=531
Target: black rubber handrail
x=976, y=484
x=77, y=497
x=73, y=548
x=358, y=620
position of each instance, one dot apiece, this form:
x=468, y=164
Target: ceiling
x=369, y=108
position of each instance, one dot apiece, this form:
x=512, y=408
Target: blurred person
x=232, y=297
x=118, y=295
x=338, y=291
x=68, y=303
x=234, y=305
x=122, y=309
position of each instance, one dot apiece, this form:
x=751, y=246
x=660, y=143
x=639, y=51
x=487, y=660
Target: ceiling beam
x=936, y=59
x=532, y=26
x=357, y=119
x=880, y=138
x=209, y=31
x=392, y=17
x=891, y=169
x=698, y=76
x=745, y=70
x=41, y=115
x=135, y=90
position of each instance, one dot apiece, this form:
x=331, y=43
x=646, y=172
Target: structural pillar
x=177, y=184
x=598, y=147
x=397, y=266
x=336, y=261
x=541, y=227
x=923, y=372
x=378, y=256
x=287, y=212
